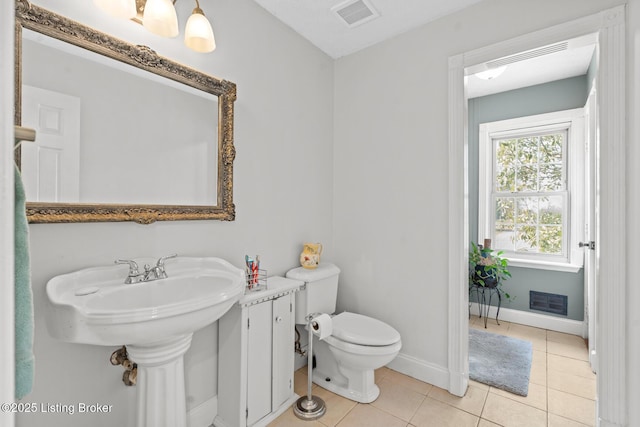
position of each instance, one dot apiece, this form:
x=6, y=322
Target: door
x=259, y=362
x=282, y=350
x=51, y=165
x=590, y=216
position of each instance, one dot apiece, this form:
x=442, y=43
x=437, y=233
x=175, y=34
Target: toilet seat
x=357, y=329
x=359, y=349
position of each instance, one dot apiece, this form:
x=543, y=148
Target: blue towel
x=23, y=296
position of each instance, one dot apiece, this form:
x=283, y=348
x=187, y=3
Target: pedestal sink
x=154, y=319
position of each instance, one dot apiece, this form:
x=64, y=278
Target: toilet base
x=338, y=384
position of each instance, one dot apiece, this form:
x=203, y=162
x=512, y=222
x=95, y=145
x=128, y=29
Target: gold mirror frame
x=53, y=25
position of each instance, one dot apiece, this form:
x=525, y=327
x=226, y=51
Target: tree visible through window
x=529, y=193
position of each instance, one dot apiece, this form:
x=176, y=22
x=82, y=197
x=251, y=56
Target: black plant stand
x=482, y=292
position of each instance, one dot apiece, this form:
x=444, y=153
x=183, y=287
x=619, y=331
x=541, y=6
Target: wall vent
x=551, y=303
x=355, y=12
x=529, y=54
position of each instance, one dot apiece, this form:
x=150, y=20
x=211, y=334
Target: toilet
x=358, y=344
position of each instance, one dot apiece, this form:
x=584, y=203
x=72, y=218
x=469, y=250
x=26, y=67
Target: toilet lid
x=363, y=330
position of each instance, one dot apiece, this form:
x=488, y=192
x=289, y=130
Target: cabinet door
x=283, y=351
x=259, y=362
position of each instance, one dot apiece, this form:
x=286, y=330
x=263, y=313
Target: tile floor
x=562, y=392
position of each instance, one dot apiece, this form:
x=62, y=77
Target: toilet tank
x=320, y=290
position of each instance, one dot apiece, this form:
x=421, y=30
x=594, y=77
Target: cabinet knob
x=278, y=319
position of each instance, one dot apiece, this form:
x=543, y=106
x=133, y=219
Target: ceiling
x=343, y=27
x=317, y=21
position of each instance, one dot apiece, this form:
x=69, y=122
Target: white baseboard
x=421, y=370
x=528, y=318
x=203, y=414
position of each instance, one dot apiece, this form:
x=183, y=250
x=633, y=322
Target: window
x=530, y=188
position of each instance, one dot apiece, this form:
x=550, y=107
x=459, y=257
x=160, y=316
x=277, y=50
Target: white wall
x=389, y=182
x=282, y=191
x=390, y=169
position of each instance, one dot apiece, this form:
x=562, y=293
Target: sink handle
x=160, y=273
x=133, y=266
x=161, y=260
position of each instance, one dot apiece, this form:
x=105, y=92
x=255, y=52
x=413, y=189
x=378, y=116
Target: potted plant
x=487, y=268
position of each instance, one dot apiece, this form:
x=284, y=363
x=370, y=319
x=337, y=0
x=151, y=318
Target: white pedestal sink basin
x=154, y=319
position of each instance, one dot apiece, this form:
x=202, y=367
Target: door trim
x=610, y=26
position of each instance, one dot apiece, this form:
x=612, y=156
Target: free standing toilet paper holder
x=310, y=407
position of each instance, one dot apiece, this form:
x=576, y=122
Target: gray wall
x=555, y=96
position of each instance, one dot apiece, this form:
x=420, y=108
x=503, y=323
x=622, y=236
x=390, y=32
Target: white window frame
x=573, y=121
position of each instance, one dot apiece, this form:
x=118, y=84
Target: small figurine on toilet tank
x=310, y=256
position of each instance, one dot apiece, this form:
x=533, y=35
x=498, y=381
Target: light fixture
x=491, y=73
x=198, y=35
x=159, y=17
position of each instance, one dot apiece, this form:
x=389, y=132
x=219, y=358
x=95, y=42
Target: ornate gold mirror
x=123, y=134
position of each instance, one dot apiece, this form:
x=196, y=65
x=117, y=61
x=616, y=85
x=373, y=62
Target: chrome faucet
x=134, y=274
x=149, y=274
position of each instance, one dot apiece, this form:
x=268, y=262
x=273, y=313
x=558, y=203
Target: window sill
x=545, y=265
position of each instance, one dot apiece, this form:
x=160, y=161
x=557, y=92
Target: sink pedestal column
x=161, y=400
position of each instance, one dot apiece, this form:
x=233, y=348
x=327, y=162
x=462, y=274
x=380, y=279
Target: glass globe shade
x=198, y=34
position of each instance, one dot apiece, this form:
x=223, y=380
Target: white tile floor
x=562, y=392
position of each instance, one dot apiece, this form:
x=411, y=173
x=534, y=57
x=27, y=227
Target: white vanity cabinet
x=256, y=356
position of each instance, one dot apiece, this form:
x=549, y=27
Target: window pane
x=550, y=239
x=551, y=177
x=505, y=179
x=551, y=210
x=551, y=148
x=505, y=238
x=527, y=178
x=527, y=238
x=506, y=152
x=505, y=211
x=527, y=212
x=505, y=166
x=527, y=152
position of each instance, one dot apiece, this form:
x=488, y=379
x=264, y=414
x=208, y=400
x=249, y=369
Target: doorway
x=527, y=146
x=610, y=325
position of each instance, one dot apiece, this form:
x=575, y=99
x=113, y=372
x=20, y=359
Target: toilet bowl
x=347, y=359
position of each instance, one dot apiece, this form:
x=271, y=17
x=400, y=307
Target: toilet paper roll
x=322, y=326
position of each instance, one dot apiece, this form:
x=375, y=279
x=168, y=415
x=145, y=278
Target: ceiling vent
x=355, y=12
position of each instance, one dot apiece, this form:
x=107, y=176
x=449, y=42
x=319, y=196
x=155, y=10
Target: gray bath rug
x=499, y=361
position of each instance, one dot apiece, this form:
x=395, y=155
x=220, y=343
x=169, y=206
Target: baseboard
x=421, y=370
x=203, y=414
x=528, y=318
x=605, y=423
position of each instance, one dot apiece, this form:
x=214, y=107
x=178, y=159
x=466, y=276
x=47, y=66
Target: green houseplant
x=487, y=268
